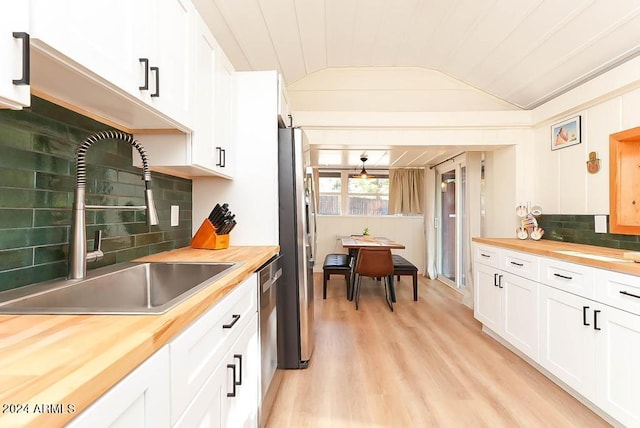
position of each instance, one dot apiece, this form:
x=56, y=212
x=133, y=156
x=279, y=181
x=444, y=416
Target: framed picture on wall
x=566, y=133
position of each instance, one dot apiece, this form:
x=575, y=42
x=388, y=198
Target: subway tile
x=37, y=178
x=15, y=218
x=12, y=259
x=54, y=146
x=53, y=217
x=57, y=182
x=148, y=238
x=50, y=253
x=131, y=254
x=14, y=137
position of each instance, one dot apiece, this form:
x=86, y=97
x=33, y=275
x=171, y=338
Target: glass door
x=451, y=223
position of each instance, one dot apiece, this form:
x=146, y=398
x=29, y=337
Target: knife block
x=206, y=238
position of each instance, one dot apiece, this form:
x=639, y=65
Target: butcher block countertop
x=590, y=255
x=71, y=360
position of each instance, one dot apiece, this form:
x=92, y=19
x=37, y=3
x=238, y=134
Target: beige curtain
x=405, y=191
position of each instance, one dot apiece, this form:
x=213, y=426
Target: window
x=368, y=196
x=330, y=193
x=340, y=194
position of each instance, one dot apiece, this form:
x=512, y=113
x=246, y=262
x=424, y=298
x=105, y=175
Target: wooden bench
x=402, y=266
x=335, y=264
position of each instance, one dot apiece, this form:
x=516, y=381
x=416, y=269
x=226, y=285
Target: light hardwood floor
x=427, y=364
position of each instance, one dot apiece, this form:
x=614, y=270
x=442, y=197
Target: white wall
x=406, y=230
x=253, y=193
x=562, y=184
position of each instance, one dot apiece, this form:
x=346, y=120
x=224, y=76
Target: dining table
x=355, y=243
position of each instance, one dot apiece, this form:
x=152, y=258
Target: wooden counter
x=558, y=250
x=53, y=363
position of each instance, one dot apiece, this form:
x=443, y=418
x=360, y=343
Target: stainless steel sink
x=127, y=288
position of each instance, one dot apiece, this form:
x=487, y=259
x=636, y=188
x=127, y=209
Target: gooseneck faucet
x=78, y=256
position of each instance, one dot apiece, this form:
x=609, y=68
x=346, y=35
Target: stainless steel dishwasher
x=268, y=276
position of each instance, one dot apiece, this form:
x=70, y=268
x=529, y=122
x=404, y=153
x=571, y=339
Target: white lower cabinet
x=208, y=376
x=587, y=324
x=507, y=304
x=567, y=342
x=617, y=377
x=139, y=400
x=229, y=398
x=207, y=355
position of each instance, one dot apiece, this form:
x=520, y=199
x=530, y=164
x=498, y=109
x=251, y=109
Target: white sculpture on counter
x=528, y=224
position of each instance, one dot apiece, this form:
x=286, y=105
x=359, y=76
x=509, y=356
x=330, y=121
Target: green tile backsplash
x=579, y=229
x=37, y=180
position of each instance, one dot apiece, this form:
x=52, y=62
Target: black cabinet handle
x=26, y=58
x=233, y=391
x=223, y=161
x=145, y=86
x=235, y=317
x=500, y=281
x=156, y=70
x=626, y=293
x=595, y=320
x=495, y=279
x=239, y=357
x=584, y=315
x=485, y=255
x=563, y=276
x=517, y=264
x=219, y=156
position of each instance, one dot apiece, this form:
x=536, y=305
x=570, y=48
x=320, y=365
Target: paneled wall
x=37, y=179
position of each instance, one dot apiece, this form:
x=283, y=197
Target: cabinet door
x=567, y=341
x=205, y=411
x=174, y=32
x=223, y=114
x=488, y=298
x=202, y=139
x=241, y=409
x=139, y=400
x=520, y=313
x=14, y=17
x=617, y=356
x=103, y=36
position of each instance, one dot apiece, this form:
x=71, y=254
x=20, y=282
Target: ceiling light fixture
x=363, y=173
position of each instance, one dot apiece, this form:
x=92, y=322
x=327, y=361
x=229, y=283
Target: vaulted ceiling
x=524, y=52
x=422, y=55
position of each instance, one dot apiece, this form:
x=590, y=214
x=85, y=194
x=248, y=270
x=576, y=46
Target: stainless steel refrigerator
x=298, y=248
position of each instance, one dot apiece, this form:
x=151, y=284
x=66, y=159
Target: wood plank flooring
x=427, y=364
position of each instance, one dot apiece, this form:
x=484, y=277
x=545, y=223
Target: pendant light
x=363, y=173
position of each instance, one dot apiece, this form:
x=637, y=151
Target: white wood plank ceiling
x=522, y=51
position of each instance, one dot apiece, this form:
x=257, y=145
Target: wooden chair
x=374, y=263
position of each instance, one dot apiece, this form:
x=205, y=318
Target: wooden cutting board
x=632, y=255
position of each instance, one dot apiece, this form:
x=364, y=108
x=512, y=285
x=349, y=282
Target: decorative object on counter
x=213, y=233
x=566, y=133
x=593, y=164
x=528, y=224
x=365, y=232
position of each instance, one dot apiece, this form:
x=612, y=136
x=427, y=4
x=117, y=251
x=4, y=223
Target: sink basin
x=127, y=288
x=590, y=256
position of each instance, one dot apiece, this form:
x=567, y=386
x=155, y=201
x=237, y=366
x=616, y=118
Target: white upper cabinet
x=207, y=150
x=223, y=115
x=103, y=36
x=14, y=54
x=171, y=59
x=141, y=49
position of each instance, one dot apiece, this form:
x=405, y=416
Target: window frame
x=344, y=192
